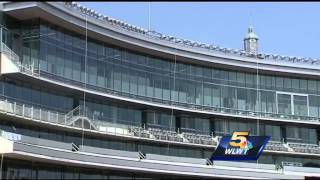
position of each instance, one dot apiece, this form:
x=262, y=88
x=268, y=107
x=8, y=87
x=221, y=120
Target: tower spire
x=251, y=41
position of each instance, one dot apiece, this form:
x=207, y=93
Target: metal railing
x=10, y=54
x=24, y=68
x=285, y=163
x=39, y=114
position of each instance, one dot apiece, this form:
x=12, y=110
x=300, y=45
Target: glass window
x=288, y=84
x=68, y=65
x=125, y=80
x=35, y=54
x=232, y=78
x=216, y=75
x=43, y=57
x=314, y=105
x=273, y=131
x=60, y=61
x=312, y=86
x=251, y=103
x=207, y=72
x=100, y=72
x=92, y=71
x=109, y=75
x=142, y=84
x=303, y=86
x=250, y=80
x=279, y=83
x=300, y=105
x=293, y=134
x=51, y=59
x=242, y=98
x=270, y=82
x=207, y=95
x=191, y=88
x=76, y=66
x=157, y=86
x=268, y=102
x=198, y=94
x=181, y=84
x=216, y=95
x=117, y=78
x=284, y=103
x=241, y=79
x=166, y=87
x=133, y=81
x=228, y=97
x=149, y=84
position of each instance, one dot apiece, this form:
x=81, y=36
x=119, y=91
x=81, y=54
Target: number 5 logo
x=238, y=136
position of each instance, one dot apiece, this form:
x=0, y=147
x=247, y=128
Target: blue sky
x=283, y=28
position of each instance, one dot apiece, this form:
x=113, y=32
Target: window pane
x=207, y=95
x=125, y=80
x=133, y=82
x=314, y=106
x=300, y=105
x=228, y=97
x=284, y=103
x=76, y=67
x=242, y=98
x=142, y=84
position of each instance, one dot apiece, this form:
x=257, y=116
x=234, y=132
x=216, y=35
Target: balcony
x=20, y=146
x=11, y=64
x=276, y=146
x=77, y=119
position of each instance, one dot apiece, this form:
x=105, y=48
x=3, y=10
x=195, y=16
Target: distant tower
x=251, y=41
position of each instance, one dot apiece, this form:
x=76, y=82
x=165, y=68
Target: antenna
x=149, y=14
x=85, y=81
x=250, y=18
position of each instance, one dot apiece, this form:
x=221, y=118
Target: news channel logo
x=240, y=146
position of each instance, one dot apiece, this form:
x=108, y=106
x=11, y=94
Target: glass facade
x=59, y=52
x=38, y=96
x=128, y=114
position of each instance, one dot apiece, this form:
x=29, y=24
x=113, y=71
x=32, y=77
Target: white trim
x=292, y=100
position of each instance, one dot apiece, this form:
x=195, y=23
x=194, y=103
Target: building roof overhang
x=58, y=13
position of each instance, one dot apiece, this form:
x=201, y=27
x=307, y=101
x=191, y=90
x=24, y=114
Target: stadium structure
x=86, y=96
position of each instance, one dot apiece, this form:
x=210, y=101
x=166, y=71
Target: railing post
x=22, y=110
x=1, y=39
x=48, y=116
x=14, y=107
x=31, y=112
x=40, y=115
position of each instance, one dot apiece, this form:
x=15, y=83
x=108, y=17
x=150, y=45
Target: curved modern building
x=84, y=96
